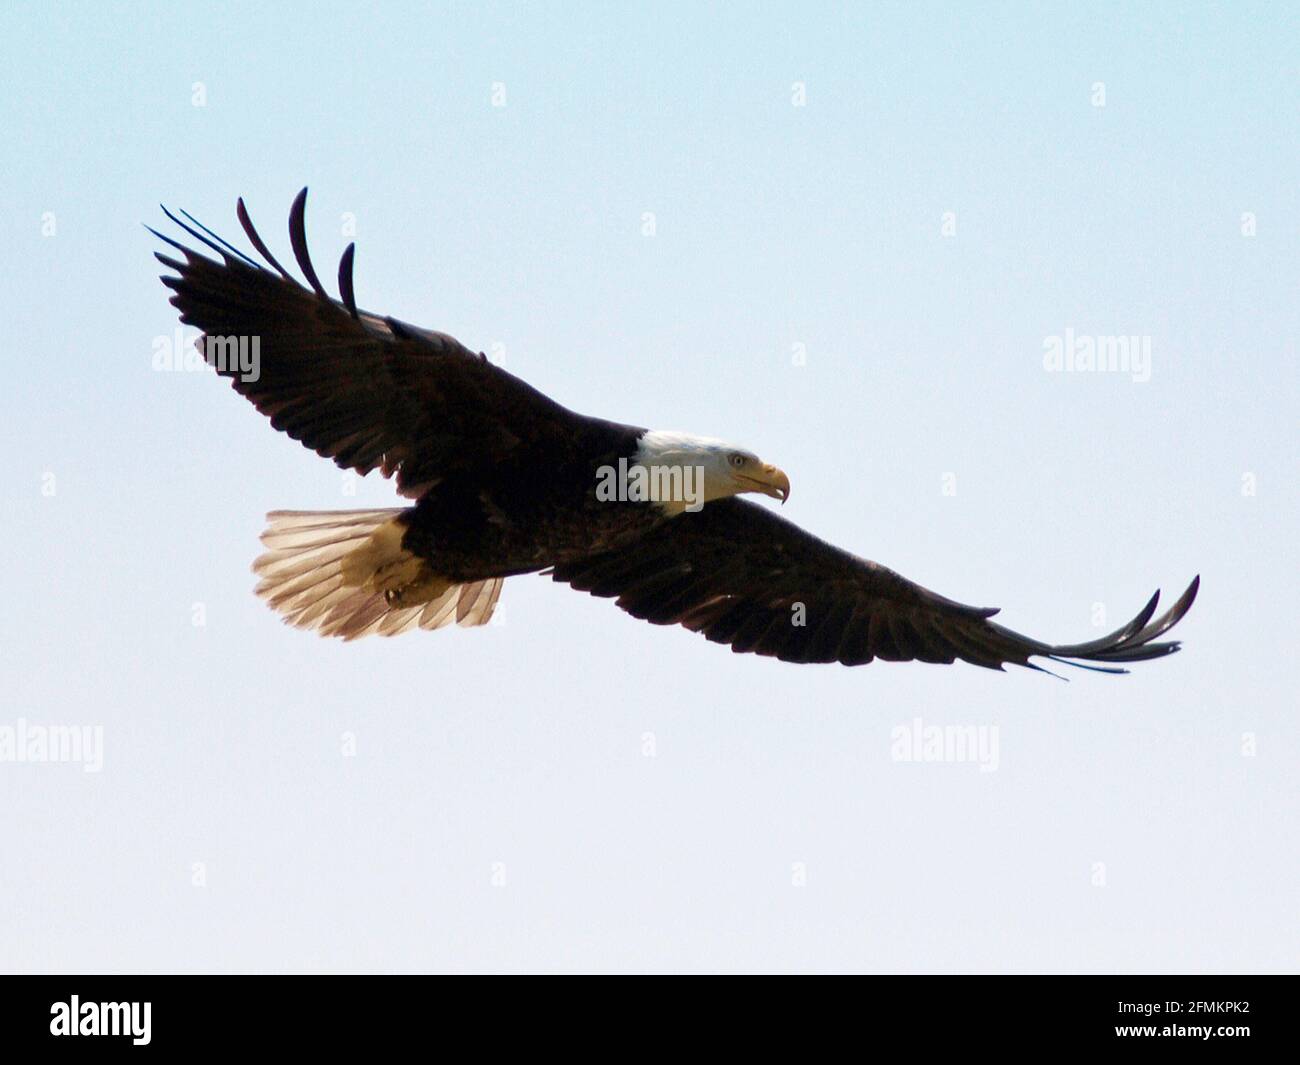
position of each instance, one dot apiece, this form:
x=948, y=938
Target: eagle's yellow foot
x=425, y=588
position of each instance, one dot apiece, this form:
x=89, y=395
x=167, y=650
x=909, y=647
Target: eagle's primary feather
x=504, y=481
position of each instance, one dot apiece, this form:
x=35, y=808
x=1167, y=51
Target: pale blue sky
x=774, y=226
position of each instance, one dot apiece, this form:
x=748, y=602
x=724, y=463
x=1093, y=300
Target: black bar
x=338, y=1014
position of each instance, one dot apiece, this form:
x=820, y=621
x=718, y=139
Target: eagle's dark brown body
x=531, y=513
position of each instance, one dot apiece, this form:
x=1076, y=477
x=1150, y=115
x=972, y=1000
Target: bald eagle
x=505, y=481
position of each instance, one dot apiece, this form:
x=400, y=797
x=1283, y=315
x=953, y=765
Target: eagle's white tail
x=344, y=573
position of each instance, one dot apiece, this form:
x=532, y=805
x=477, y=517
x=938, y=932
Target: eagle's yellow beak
x=766, y=479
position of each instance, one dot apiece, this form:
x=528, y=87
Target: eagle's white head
x=709, y=469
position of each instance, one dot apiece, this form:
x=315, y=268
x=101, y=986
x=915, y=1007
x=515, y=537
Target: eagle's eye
x=738, y=460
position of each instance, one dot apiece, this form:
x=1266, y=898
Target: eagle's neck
x=683, y=471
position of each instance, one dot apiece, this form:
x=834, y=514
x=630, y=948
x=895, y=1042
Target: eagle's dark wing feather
x=743, y=576
x=368, y=392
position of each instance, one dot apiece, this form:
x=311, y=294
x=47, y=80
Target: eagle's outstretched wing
x=743, y=576
x=366, y=391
